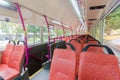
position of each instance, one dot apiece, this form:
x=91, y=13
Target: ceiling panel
x=91, y=14
x=60, y=10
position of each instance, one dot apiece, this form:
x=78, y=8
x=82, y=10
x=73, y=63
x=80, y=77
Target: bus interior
x=59, y=39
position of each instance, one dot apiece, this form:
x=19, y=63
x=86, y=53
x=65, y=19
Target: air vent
x=90, y=23
x=7, y=19
x=92, y=19
x=90, y=27
x=97, y=7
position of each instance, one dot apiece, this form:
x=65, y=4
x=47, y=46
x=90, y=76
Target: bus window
x=98, y=31
x=10, y=31
x=68, y=32
x=60, y=32
x=52, y=32
x=45, y=34
x=33, y=23
x=112, y=30
x=112, y=24
x=33, y=34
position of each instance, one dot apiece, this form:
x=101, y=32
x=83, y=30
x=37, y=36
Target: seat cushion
x=9, y=74
x=3, y=67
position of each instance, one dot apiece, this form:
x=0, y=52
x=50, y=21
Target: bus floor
x=42, y=74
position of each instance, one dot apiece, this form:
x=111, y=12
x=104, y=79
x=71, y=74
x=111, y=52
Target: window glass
x=68, y=32
x=13, y=31
x=10, y=31
x=52, y=32
x=33, y=33
x=112, y=25
x=60, y=32
x=112, y=31
x=45, y=34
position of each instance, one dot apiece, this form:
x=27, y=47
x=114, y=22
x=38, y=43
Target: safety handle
x=75, y=40
x=93, y=40
x=63, y=44
x=95, y=45
x=12, y=41
x=81, y=37
x=21, y=42
x=88, y=36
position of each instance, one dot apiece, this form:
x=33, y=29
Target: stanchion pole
x=25, y=33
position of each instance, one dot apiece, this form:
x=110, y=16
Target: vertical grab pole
x=46, y=20
x=25, y=32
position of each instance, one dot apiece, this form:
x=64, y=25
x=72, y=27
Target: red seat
x=68, y=48
x=6, y=56
x=63, y=65
x=3, y=67
x=9, y=74
x=98, y=67
x=78, y=47
x=94, y=49
x=7, y=53
x=92, y=42
x=15, y=63
x=17, y=57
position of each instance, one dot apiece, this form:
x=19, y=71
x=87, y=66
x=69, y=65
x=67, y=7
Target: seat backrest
x=7, y=53
x=52, y=47
x=77, y=46
x=17, y=57
x=63, y=65
x=92, y=42
x=98, y=67
x=96, y=49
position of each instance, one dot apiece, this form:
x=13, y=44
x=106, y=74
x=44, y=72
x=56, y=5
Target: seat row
x=12, y=60
x=84, y=58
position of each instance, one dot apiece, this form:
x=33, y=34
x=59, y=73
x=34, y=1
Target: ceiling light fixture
x=58, y=23
x=4, y=3
x=76, y=7
x=66, y=26
x=8, y=5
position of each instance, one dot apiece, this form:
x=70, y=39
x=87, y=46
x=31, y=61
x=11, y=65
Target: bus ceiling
x=72, y=13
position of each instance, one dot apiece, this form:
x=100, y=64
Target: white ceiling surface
x=91, y=14
x=4, y=13
x=60, y=10
x=29, y=17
